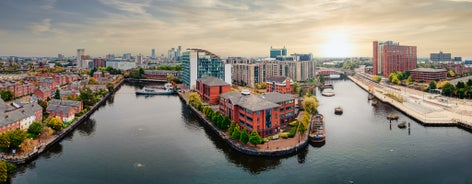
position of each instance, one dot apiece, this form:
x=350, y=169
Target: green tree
x=231, y=128
x=3, y=172
x=92, y=81
x=226, y=122
x=55, y=123
x=87, y=97
x=92, y=71
x=432, y=85
x=310, y=104
x=4, y=141
x=376, y=78
x=6, y=95
x=170, y=77
x=255, y=138
x=16, y=137
x=57, y=94
x=244, y=136
x=460, y=85
x=35, y=128
x=236, y=133
x=447, y=89
x=469, y=82
x=110, y=87
x=296, y=88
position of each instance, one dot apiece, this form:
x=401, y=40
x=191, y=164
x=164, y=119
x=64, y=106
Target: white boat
x=168, y=90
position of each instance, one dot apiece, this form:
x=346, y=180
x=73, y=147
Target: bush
x=293, y=123
x=236, y=133
x=35, y=128
x=292, y=132
x=244, y=136
x=55, y=123
x=283, y=135
x=255, y=138
x=232, y=125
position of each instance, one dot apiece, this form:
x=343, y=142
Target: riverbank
x=25, y=158
x=440, y=116
x=269, y=148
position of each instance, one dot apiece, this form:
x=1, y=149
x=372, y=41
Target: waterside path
x=427, y=112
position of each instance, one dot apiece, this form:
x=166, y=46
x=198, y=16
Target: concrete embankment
x=244, y=148
x=23, y=159
x=447, y=119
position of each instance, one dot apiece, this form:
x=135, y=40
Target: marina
x=359, y=142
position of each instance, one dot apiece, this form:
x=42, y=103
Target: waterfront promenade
x=279, y=147
x=427, y=108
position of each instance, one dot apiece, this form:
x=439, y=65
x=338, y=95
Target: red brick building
x=391, y=57
x=254, y=112
x=210, y=88
x=428, y=74
x=43, y=93
x=12, y=118
x=277, y=84
x=17, y=88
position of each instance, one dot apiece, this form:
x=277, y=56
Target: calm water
x=134, y=139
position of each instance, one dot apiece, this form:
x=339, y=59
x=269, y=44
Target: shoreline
x=420, y=118
x=24, y=159
x=236, y=145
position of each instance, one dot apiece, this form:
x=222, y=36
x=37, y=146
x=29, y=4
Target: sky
x=325, y=28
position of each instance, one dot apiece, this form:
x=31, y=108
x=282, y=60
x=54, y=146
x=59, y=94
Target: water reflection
x=87, y=127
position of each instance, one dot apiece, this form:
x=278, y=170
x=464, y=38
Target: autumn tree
x=194, y=99
x=55, y=123
x=310, y=104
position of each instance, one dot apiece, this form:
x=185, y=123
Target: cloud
x=136, y=7
x=244, y=27
x=48, y=4
x=41, y=27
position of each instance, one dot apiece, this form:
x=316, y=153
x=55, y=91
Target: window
x=258, y=112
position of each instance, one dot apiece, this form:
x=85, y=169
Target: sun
x=336, y=44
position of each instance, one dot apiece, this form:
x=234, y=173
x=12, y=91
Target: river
x=137, y=139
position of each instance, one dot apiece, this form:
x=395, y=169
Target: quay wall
x=61, y=134
x=243, y=148
x=421, y=118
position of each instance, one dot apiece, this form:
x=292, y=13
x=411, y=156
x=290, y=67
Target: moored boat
x=338, y=110
x=317, y=130
x=168, y=90
x=327, y=92
x=402, y=124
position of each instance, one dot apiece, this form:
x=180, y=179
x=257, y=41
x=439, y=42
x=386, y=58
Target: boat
x=392, y=117
x=375, y=102
x=402, y=124
x=168, y=90
x=317, y=130
x=327, y=92
x=370, y=97
x=338, y=110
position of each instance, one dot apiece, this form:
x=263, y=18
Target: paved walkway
x=428, y=109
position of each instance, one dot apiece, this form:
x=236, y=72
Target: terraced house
x=264, y=113
x=22, y=117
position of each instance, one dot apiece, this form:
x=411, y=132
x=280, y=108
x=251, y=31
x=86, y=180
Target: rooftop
x=213, y=81
x=250, y=102
x=429, y=70
x=277, y=97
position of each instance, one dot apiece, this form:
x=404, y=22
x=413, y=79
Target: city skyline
x=325, y=28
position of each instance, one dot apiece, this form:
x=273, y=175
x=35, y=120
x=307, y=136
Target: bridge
x=332, y=73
